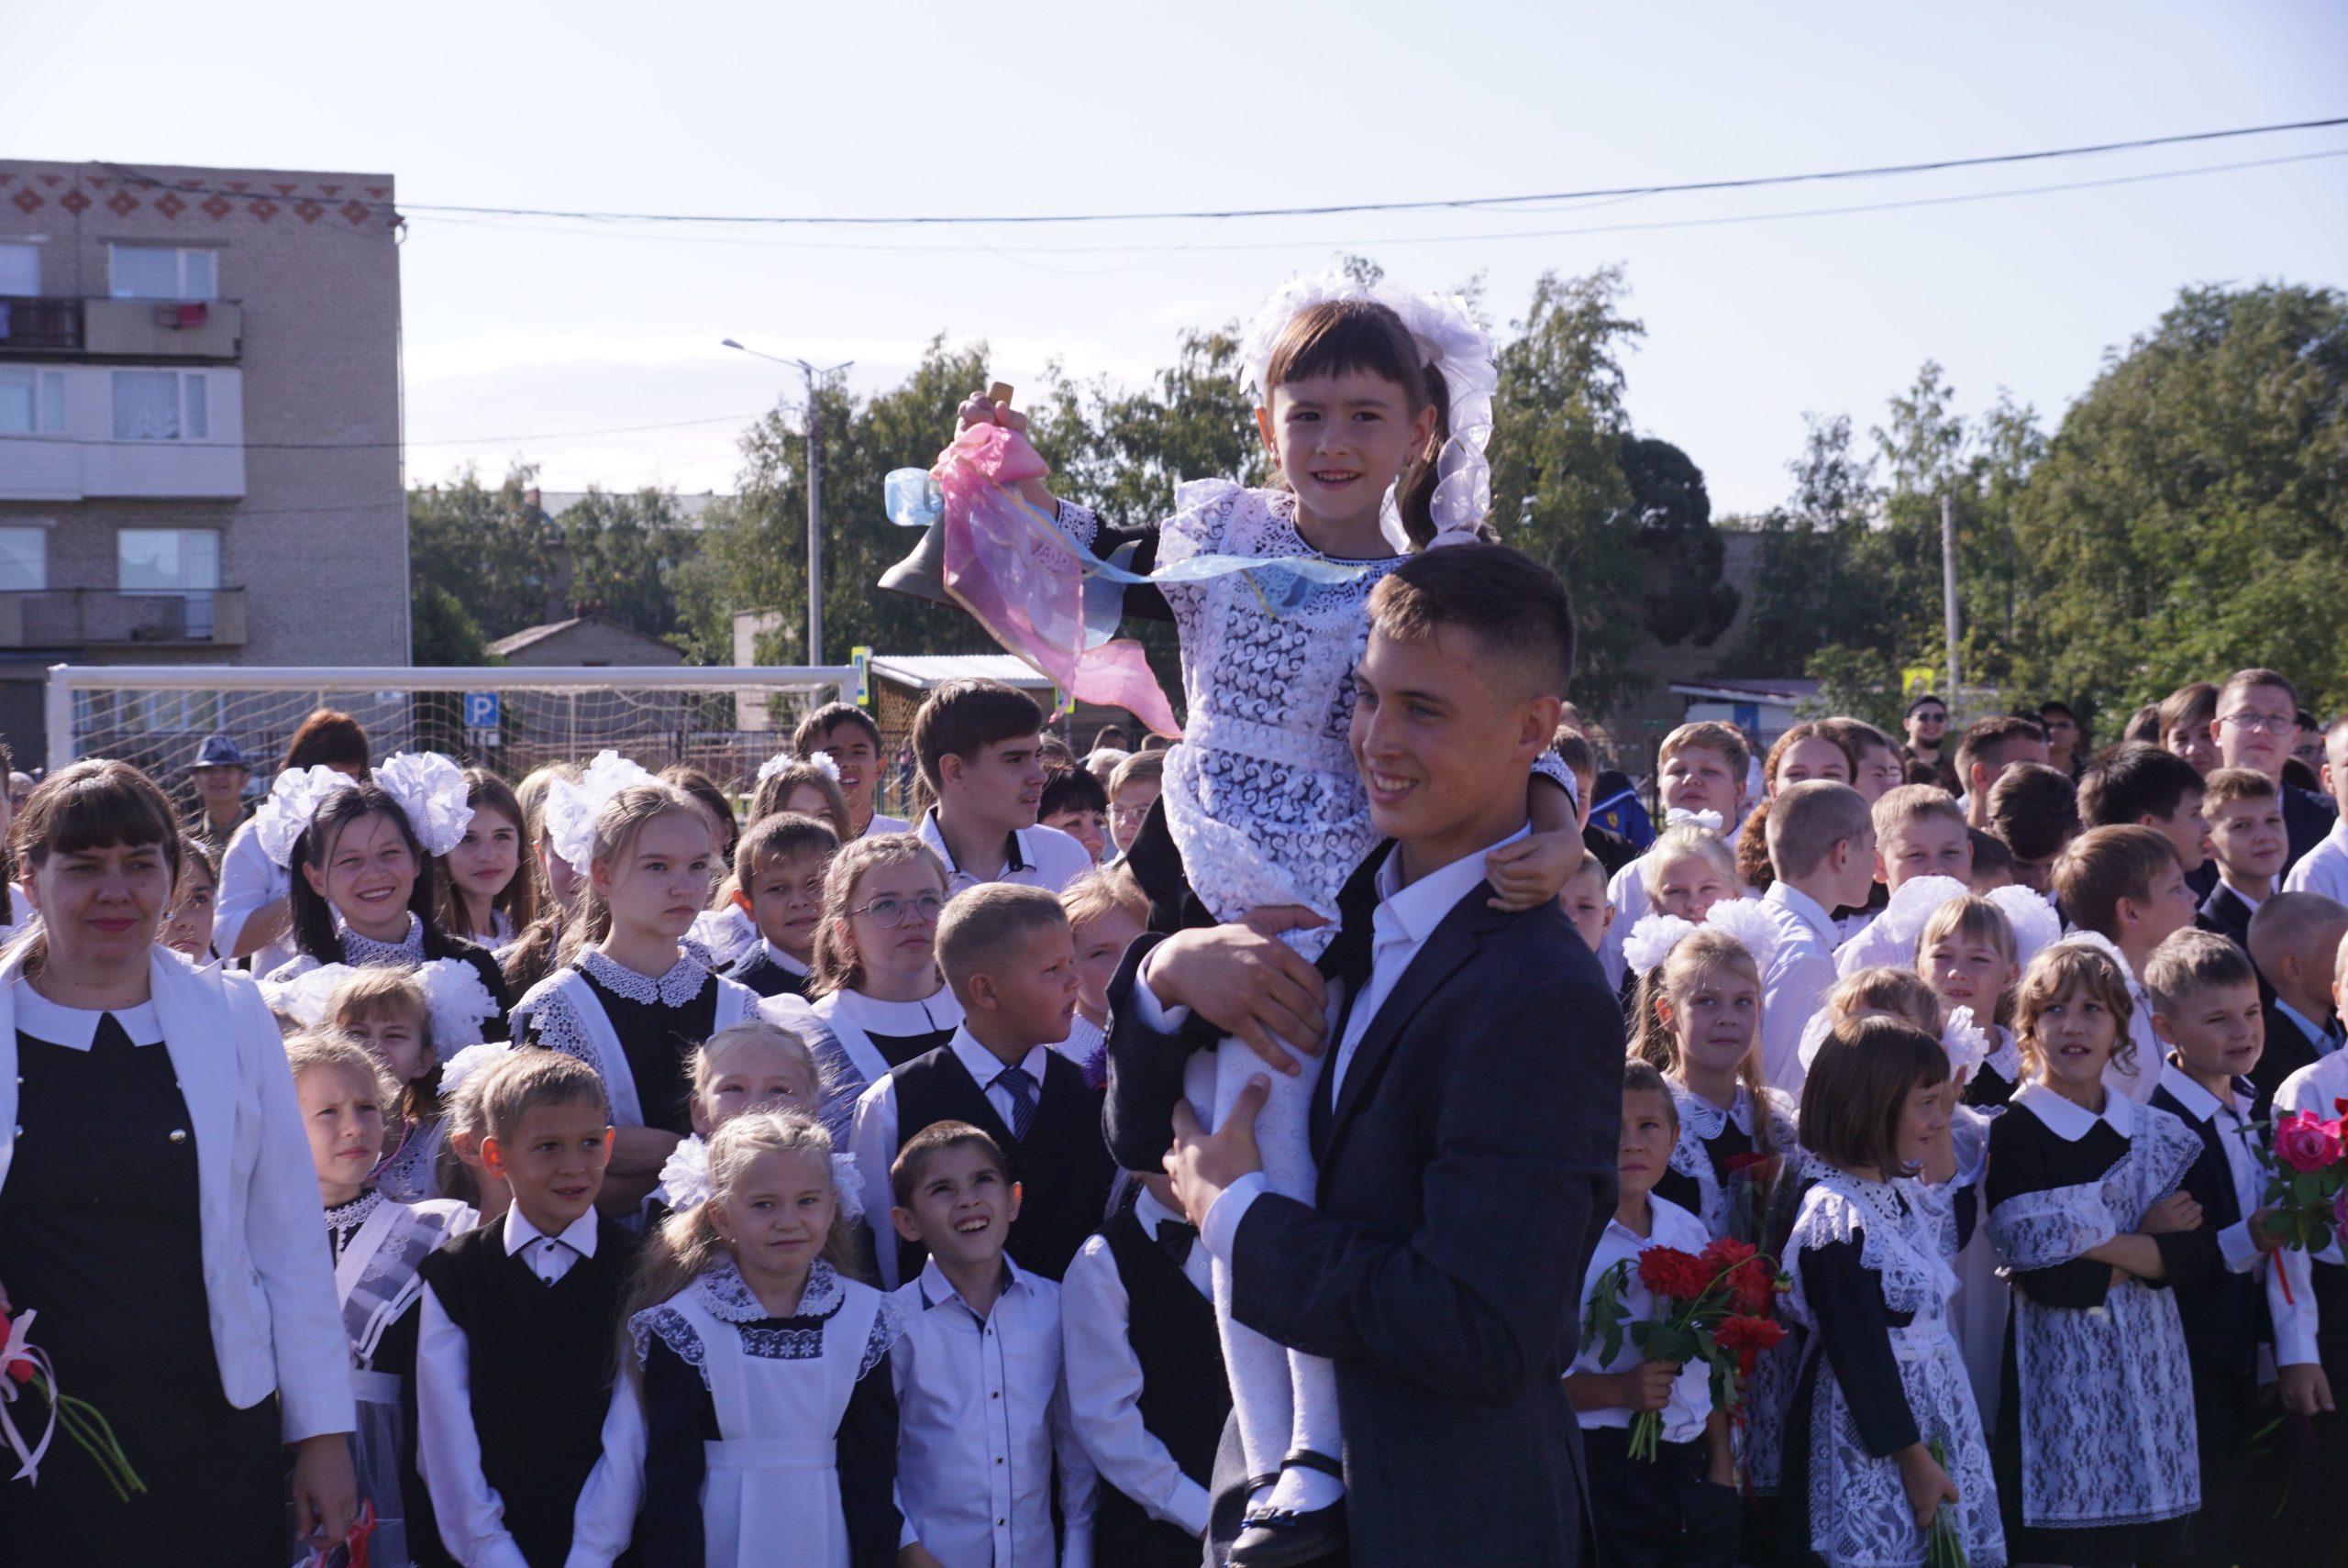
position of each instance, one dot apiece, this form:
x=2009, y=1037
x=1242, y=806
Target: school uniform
x=1872, y=1283
x=2095, y=1453
x=2225, y=1311
x=1041, y=1115
x=1035, y=857
x=719, y=937
x=1662, y=1513
x=2294, y=1040
x=1708, y=1175
x=633, y=1029
x=1147, y=1393
x=769, y=1443
x=880, y=825
x=1614, y=850
x=422, y=944
x=514, y=1378
x=983, y=1427
x=1993, y=1083
x=768, y=970
x=859, y=1038
x=1794, y=986
x=2324, y=868
x=2308, y=819
x=378, y=1244
x=2227, y=913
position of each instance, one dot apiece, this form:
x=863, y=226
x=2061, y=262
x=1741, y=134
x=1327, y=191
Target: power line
x=1745, y=182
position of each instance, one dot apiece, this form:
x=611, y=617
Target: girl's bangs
x=1342, y=335
x=102, y=814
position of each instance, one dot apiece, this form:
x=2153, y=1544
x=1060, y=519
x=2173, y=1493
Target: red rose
x=1667, y=1271
x=1726, y=1254
x=1752, y=1288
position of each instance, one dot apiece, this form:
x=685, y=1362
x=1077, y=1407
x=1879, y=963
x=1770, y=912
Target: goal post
x=723, y=720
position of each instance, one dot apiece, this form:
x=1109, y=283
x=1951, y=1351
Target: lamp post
x=815, y=492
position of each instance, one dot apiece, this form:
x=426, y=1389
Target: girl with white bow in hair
x=1374, y=406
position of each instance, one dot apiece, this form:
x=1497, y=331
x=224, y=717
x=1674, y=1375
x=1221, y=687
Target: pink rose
x=2339, y=1213
x=2306, y=1143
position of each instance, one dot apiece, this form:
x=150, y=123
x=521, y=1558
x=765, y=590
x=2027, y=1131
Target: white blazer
x=268, y=1277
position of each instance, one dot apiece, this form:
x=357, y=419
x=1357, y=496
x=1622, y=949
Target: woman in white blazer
x=158, y=1211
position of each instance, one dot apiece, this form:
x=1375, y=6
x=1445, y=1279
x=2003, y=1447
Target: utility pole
x=1948, y=585
x=815, y=492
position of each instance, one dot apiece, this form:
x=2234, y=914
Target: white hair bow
x=571, y=808
x=456, y=1070
x=1966, y=1044
x=292, y=800
x=431, y=790
x=457, y=1003
x=1651, y=941
x=2035, y=924
x=1750, y=922
x=1679, y=816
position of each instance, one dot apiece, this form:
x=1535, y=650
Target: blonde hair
x=617, y=826
x=708, y=1059
x=1905, y=804
x=530, y=1077
x=1709, y=736
x=834, y=964
x=1694, y=955
x=1681, y=844
x=368, y=995
x=1902, y=993
x=1972, y=919
x=686, y=1244
x=1102, y=891
x=461, y=1118
x=2052, y=974
x=312, y=1049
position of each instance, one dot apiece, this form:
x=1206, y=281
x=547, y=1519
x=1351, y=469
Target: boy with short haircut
x=1918, y=832
x=2034, y=809
x=2325, y=868
x=1009, y=954
x=1993, y=863
x=1583, y=898
x=1991, y=745
x=1822, y=852
x=779, y=880
x=849, y=736
x=2257, y=722
x=2123, y=884
x=2293, y=940
x=2151, y=788
x=1656, y=1511
x=2232, y=1299
x=1077, y=804
x=1699, y=771
x=1573, y=748
x=1106, y=910
x=1133, y=789
x=2322, y=1315
x=513, y=1355
x=1147, y=1387
x=982, y=1401
x=978, y=743
x=2247, y=843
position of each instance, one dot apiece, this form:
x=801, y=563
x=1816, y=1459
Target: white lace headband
x=571, y=808
x=1454, y=346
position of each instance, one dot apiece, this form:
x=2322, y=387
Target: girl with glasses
x=878, y=997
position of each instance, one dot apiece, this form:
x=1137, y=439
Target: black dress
x=100, y=1234
x=655, y=1036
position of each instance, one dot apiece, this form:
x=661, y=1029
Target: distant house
x=585, y=641
x=1764, y=709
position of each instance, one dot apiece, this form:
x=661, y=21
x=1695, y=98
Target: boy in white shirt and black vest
x=1008, y=954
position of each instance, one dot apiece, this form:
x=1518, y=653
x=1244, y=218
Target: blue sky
x=549, y=325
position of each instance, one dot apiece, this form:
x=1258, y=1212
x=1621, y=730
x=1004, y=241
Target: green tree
x=1806, y=592
x=441, y=632
x=492, y=551
x=627, y=551
x=1686, y=600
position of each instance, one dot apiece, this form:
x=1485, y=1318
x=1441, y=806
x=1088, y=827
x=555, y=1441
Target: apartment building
x=199, y=427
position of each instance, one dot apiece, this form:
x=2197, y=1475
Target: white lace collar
x=351, y=1215
x=727, y=1296
x=366, y=952
x=2006, y=1060
x=681, y=985
x=1708, y=1118
x=2072, y=1122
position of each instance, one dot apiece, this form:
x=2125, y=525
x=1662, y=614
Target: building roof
x=1782, y=692
x=529, y=638
x=924, y=672
x=690, y=508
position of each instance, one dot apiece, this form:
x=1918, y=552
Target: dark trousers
x=1657, y=1513
x=2225, y=1411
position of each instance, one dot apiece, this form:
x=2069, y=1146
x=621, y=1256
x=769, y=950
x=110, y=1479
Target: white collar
x=936, y=1290
x=1014, y=850
x=681, y=985
x=578, y=1235
x=364, y=952
x=2072, y=1122
x=1421, y=907
x=76, y=1028
x=937, y=1010
x=984, y=1066
x=2247, y=902
x=1809, y=911
x=782, y=960
x=2198, y=1103
x=1707, y=1119
x=1152, y=1214
x=728, y=1296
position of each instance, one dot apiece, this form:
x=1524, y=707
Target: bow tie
x=1177, y=1237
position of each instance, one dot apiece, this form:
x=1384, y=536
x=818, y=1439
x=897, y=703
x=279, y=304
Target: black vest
x=1063, y=1169
x=766, y=976
x=542, y=1358
x=1185, y=1397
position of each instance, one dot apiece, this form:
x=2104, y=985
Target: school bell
x=914, y=501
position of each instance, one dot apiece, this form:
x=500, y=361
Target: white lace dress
x=1900, y=1236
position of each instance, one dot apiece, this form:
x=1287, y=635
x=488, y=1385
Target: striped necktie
x=1022, y=1099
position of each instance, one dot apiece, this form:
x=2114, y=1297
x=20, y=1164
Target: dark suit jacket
x=2224, y=1313
x=1466, y=1175
x=2306, y=818
x=2224, y=912
x=2288, y=1050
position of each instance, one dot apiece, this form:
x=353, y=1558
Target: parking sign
x=481, y=710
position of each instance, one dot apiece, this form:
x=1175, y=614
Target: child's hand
x=916, y=1556
x=1270, y=920
x=2266, y=1240
x=2306, y=1390
x=1534, y=871
x=1647, y=1386
x=1926, y=1484
x=979, y=409
x=2172, y=1214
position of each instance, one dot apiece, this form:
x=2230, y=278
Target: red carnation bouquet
x=1712, y=1307
x=23, y=1367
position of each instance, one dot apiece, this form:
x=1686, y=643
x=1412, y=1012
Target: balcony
x=105, y=617
x=141, y=330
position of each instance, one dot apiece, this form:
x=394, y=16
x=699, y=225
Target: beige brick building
x=199, y=426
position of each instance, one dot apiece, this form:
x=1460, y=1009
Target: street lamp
x=815, y=492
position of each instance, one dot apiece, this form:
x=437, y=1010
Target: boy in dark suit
x=2294, y=938
x=1465, y=1128
x=2247, y=840
x=2257, y=722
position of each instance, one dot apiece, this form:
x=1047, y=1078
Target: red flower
x=1667, y=1271
x=1752, y=1288
x=1747, y=1337
x=2305, y=1141
x=1726, y=1254
x=21, y=1369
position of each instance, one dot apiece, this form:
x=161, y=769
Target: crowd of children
x=712, y=1185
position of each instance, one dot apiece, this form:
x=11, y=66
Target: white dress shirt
x=2235, y=1243
x=982, y=1414
x=1691, y=1393
x=880, y=825
x=1400, y=926
x=1037, y=856
x=1104, y=1378
x=447, y=1448
x=1794, y=986
x=2325, y=868
x=250, y=881
x=873, y=1139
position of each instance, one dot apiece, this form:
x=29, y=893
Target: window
x=161, y=273
x=160, y=405
x=24, y=560
x=169, y=560
x=19, y=270
x=32, y=401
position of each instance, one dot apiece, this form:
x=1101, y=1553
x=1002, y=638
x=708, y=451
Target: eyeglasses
x=2261, y=723
x=1926, y=717
x=890, y=913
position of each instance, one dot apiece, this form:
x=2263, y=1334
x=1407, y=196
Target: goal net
x=722, y=721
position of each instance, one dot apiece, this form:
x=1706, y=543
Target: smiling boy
x=980, y=744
